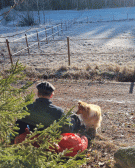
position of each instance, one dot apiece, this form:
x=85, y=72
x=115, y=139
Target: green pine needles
x=13, y=97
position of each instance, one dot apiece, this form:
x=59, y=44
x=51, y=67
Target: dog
x=91, y=115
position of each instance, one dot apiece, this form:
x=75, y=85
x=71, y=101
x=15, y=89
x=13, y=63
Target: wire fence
x=46, y=47
x=108, y=18
x=52, y=53
x=24, y=45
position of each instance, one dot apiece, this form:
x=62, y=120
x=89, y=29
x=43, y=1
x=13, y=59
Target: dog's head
x=83, y=109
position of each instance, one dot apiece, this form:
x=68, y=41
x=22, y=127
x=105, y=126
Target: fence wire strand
x=49, y=42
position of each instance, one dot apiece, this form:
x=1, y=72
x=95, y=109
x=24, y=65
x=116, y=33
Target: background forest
x=67, y=4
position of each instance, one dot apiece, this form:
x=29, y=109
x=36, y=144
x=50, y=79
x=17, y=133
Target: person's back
x=42, y=110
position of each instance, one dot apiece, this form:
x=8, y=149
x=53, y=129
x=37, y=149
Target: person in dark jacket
x=44, y=112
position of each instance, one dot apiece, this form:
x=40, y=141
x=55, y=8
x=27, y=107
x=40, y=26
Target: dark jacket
x=41, y=111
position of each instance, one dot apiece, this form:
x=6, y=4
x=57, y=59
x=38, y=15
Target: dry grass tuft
x=117, y=69
x=63, y=68
x=90, y=71
x=74, y=68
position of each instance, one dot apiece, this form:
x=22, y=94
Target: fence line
x=40, y=54
x=53, y=33
x=28, y=36
x=23, y=31
x=32, y=34
x=21, y=50
x=72, y=39
x=18, y=33
x=99, y=18
x=31, y=41
x=65, y=53
x=39, y=41
x=35, y=42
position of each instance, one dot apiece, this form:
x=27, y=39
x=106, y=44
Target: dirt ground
x=118, y=112
x=118, y=106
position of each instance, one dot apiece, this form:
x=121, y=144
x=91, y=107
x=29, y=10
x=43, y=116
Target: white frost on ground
x=107, y=37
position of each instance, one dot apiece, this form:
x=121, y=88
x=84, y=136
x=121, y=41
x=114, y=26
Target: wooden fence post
x=38, y=11
x=66, y=25
x=52, y=32
x=87, y=19
x=49, y=20
x=131, y=87
x=58, y=30
x=38, y=40
x=61, y=28
x=44, y=11
x=68, y=51
x=46, y=35
x=10, y=55
x=27, y=44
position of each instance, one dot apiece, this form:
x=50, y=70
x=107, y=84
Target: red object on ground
x=77, y=142
x=20, y=138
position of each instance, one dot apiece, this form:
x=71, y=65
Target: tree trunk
x=38, y=11
x=28, y=12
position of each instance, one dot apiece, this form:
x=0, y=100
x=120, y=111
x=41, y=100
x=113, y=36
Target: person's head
x=45, y=90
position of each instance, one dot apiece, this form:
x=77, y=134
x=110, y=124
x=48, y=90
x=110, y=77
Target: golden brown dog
x=91, y=115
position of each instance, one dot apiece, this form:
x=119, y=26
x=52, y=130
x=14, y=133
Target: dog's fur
x=91, y=115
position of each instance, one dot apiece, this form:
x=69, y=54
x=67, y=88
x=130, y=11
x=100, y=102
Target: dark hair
x=42, y=92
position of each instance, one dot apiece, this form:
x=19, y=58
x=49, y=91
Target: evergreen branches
x=25, y=155
x=11, y=102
